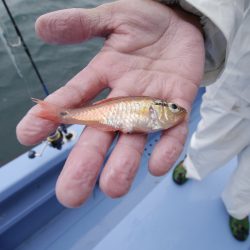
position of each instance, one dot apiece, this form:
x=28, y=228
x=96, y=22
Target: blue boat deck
x=156, y=214
x=173, y=217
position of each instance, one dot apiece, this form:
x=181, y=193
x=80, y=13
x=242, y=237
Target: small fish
x=126, y=114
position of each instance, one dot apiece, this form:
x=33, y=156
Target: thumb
x=74, y=25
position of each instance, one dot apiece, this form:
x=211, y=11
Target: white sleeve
x=220, y=21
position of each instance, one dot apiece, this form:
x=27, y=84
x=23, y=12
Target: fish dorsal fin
x=120, y=98
x=109, y=100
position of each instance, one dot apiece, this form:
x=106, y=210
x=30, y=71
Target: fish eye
x=173, y=107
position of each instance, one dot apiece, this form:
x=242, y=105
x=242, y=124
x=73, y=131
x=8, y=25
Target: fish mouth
x=184, y=113
x=183, y=110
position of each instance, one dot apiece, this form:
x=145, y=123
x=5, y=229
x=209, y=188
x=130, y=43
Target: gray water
x=18, y=81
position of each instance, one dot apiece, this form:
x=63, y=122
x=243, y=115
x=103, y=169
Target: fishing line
x=11, y=56
x=26, y=49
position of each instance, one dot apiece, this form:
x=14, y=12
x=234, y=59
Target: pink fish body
x=125, y=114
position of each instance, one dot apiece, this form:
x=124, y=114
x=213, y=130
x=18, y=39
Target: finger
x=83, y=87
x=122, y=165
x=168, y=149
x=81, y=169
x=74, y=25
x=170, y=146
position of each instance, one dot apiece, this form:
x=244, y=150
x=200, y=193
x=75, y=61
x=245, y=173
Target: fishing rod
x=61, y=135
x=26, y=49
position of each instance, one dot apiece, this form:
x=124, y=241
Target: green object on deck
x=179, y=174
x=239, y=228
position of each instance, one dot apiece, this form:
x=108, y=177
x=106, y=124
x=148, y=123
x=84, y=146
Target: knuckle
x=125, y=172
x=163, y=160
x=73, y=192
x=85, y=176
x=116, y=182
x=169, y=154
x=85, y=173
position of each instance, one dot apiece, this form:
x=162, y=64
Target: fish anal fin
x=100, y=126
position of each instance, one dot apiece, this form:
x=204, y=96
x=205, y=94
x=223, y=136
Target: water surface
x=18, y=81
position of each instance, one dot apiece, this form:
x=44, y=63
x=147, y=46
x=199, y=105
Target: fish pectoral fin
x=153, y=114
x=127, y=130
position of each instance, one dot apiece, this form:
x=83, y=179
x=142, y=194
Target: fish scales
x=123, y=114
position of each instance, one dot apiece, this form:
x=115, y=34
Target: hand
x=150, y=50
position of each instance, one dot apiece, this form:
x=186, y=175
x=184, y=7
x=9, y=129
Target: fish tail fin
x=48, y=111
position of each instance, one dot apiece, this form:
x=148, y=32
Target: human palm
x=150, y=50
